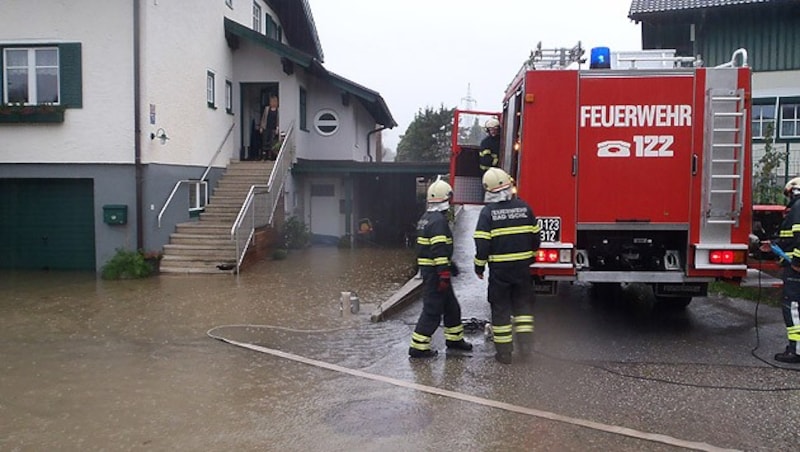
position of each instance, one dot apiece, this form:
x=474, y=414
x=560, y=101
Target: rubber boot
x=414, y=353
x=503, y=353
x=787, y=356
x=459, y=345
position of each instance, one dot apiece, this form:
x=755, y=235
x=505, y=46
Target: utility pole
x=469, y=102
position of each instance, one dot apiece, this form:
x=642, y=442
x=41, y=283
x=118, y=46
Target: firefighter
x=789, y=241
x=489, y=154
x=506, y=238
x=434, y=254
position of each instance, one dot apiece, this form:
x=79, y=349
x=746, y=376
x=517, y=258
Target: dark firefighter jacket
x=506, y=234
x=434, y=242
x=489, y=153
x=789, y=233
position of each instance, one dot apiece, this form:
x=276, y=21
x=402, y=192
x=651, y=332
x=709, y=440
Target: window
x=303, y=109
x=256, y=17
x=31, y=76
x=228, y=96
x=41, y=74
x=326, y=122
x=790, y=120
x=211, y=97
x=272, y=30
x=763, y=116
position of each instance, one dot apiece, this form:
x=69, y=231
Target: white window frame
x=211, y=92
x=795, y=120
x=228, y=96
x=761, y=121
x=31, y=67
x=257, y=17
x=319, y=122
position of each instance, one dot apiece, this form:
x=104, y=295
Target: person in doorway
x=789, y=242
x=489, y=154
x=268, y=127
x=434, y=254
x=506, y=238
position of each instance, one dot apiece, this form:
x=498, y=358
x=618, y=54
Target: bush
x=128, y=265
x=295, y=233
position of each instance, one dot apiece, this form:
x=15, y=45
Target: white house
x=116, y=102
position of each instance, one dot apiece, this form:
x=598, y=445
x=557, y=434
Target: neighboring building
x=123, y=100
x=769, y=30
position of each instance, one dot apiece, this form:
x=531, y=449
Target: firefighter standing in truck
x=789, y=241
x=506, y=238
x=434, y=254
x=489, y=154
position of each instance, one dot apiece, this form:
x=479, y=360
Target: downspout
x=379, y=129
x=137, y=126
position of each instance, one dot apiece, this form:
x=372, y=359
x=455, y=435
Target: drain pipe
x=379, y=129
x=137, y=125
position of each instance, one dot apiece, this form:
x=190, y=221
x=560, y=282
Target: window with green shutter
x=42, y=74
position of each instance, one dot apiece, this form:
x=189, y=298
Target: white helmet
x=439, y=191
x=792, y=188
x=491, y=123
x=495, y=180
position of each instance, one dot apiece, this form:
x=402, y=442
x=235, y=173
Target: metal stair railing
x=203, y=181
x=258, y=208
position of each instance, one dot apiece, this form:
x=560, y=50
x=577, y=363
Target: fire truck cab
x=638, y=168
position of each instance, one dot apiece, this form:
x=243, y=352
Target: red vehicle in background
x=636, y=175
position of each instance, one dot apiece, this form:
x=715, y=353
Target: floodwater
x=89, y=364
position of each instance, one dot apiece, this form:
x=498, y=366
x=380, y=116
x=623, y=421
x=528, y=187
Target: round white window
x=326, y=122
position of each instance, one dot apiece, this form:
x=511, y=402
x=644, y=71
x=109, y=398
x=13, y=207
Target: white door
x=324, y=208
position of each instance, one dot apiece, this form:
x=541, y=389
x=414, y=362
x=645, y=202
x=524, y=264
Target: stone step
x=216, y=241
x=202, y=227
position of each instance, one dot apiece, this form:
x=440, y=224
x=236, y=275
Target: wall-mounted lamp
x=161, y=134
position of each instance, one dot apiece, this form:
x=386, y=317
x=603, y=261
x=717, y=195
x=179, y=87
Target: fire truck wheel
x=673, y=303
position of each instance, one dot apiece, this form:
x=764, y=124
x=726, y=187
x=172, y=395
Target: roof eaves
x=297, y=56
x=646, y=8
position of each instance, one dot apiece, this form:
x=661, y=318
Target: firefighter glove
x=444, y=281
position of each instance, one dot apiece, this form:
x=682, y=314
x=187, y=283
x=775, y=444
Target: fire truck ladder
x=724, y=163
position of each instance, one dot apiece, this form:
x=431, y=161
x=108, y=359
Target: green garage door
x=47, y=224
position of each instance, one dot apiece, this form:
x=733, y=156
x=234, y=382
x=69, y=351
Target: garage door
x=47, y=224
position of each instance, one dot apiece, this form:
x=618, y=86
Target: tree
x=765, y=188
x=427, y=138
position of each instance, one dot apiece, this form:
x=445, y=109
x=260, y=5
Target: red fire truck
x=637, y=175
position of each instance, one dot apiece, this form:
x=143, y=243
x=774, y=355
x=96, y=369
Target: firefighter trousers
x=511, y=294
x=790, y=307
x=435, y=305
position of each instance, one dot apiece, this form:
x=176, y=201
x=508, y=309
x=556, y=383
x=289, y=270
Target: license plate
x=550, y=229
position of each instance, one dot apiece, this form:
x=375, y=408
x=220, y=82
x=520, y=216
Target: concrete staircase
x=205, y=246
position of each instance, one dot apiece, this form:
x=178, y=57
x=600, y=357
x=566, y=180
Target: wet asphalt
x=128, y=365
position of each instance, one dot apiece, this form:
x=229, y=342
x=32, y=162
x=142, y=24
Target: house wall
x=101, y=131
x=349, y=142
x=174, y=64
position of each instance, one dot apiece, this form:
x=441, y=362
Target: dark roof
x=641, y=8
x=371, y=100
x=298, y=25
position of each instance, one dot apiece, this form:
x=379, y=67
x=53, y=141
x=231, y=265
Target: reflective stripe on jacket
x=434, y=241
x=506, y=233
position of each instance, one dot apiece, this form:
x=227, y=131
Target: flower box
x=32, y=113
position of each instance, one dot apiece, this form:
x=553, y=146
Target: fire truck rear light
x=553, y=256
x=726, y=256
x=547, y=256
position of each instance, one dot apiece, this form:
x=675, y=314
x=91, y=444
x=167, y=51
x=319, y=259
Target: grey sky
x=419, y=53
